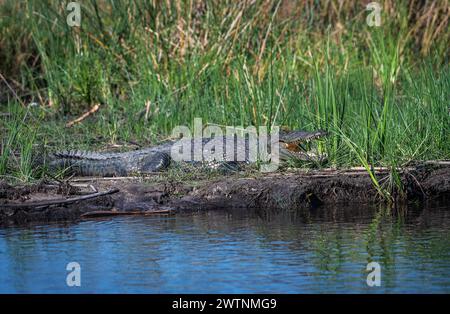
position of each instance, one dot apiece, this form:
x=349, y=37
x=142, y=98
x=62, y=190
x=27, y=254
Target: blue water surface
x=325, y=250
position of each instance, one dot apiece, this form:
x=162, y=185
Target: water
x=325, y=250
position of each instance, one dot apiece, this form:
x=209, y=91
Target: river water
x=317, y=251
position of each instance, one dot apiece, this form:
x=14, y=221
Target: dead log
x=32, y=205
x=106, y=213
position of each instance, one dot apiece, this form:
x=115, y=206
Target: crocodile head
x=293, y=144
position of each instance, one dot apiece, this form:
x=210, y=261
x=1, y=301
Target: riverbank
x=85, y=198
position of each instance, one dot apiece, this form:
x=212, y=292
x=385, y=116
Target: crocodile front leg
x=154, y=162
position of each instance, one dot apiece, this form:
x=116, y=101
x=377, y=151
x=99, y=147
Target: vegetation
x=382, y=92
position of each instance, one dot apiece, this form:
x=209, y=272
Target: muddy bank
x=286, y=190
x=297, y=190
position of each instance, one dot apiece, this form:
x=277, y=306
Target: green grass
x=381, y=92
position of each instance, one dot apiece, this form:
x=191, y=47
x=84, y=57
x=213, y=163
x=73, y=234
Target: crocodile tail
x=88, y=167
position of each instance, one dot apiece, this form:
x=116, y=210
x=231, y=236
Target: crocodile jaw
x=291, y=147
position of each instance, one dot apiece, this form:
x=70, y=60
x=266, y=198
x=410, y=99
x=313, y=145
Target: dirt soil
x=144, y=196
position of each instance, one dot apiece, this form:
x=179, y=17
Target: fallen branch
x=84, y=116
x=90, y=179
x=58, y=202
x=106, y=213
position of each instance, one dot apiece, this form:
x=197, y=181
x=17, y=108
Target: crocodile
x=158, y=158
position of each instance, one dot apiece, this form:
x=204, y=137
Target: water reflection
x=323, y=250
